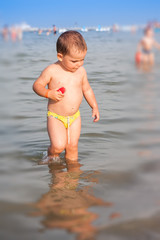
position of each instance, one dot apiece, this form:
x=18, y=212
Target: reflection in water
x=66, y=204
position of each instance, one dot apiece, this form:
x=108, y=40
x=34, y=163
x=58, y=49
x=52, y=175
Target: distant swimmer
x=40, y=31
x=13, y=34
x=144, y=52
x=54, y=29
x=48, y=32
x=5, y=33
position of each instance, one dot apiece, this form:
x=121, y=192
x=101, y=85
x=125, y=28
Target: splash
x=50, y=160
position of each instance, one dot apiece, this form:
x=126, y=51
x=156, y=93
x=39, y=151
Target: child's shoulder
x=51, y=67
x=82, y=70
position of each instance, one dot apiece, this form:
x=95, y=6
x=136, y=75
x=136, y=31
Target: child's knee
x=58, y=148
x=73, y=146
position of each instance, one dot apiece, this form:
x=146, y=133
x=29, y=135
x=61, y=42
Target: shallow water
x=113, y=191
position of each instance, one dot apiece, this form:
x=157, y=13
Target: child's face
x=149, y=33
x=71, y=62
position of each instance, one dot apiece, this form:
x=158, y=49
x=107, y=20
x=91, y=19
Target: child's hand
x=95, y=114
x=55, y=95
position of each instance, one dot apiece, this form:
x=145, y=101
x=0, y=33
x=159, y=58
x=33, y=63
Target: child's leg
x=72, y=147
x=144, y=58
x=151, y=59
x=57, y=135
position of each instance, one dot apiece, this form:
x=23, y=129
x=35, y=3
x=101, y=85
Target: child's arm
x=40, y=84
x=156, y=44
x=90, y=98
x=139, y=46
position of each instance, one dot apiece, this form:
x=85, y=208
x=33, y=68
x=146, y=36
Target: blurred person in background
x=145, y=47
x=5, y=33
x=54, y=29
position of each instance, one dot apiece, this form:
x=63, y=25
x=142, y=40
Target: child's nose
x=80, y=63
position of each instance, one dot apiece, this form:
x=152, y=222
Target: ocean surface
x=113, y=191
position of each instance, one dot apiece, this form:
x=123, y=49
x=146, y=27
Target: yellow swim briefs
x=66, y=120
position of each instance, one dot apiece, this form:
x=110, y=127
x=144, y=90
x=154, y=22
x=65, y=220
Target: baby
x=67, y=84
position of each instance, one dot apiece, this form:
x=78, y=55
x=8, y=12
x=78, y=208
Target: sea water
x=113, y=191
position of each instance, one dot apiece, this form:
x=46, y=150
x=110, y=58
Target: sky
x=70, y=13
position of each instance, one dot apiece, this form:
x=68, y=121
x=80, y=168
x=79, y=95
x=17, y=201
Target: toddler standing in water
x=67, y=84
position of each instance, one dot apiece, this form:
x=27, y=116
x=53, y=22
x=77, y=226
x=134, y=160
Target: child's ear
x=60, y=56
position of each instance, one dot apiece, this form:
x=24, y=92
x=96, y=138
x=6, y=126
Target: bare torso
x=147, y=43
x=72, y=82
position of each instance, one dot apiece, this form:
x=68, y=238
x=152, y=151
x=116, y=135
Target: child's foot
x=47, y=160
x=55, y=160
